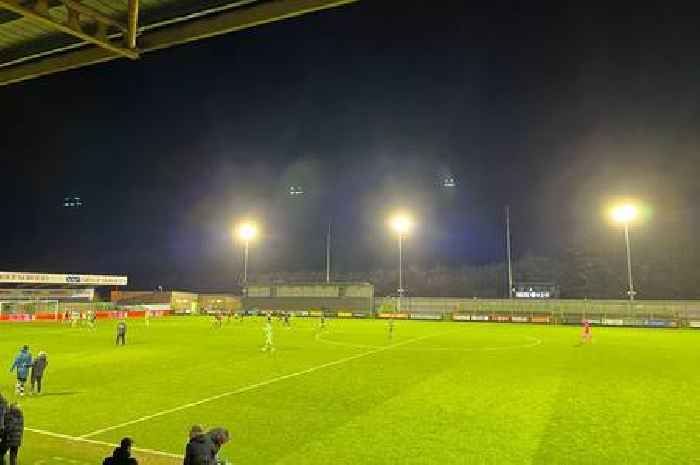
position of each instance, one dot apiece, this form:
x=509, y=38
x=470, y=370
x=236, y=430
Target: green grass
x=438, y=393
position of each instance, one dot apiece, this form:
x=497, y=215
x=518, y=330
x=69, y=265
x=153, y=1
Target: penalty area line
x=101, y=443
x=250, y=387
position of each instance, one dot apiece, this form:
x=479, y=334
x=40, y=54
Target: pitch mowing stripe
x=251, y=387
x=101, y=443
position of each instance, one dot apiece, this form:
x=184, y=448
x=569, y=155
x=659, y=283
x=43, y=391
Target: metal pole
x=629, y=261
x=328, y=254
x=510, y=266
x=245, y=263
x=133, y=23
x=400, y=271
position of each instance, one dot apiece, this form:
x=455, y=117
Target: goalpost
x=30, y=307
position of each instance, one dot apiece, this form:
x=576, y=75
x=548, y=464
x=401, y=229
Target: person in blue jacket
x=23, y=361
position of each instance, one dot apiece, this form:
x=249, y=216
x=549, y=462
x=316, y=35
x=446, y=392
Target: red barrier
x=100, y=315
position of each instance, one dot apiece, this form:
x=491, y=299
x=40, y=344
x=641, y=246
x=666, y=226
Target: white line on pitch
x=100, y=443
x=250, y=387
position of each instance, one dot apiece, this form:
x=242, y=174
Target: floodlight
x=624, y=213
x=402, y=223
x=247, y=231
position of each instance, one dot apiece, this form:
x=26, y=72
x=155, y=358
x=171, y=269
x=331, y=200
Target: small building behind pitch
x=180, y=302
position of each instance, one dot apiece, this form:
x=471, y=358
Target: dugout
x=298, y=297
x=218, y=303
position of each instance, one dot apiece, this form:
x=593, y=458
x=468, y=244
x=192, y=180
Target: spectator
x=195, y=431
x=23, y=361
x=204, y=448
x=38, y=367
x=3, y=411
x=121, y=454
x=11, y=438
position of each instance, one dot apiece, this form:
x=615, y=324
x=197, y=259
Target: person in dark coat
x=38, y=367
x=121, y=332
x=3, y=411
x=204, y=448
x=12, y=434
x=121, y=454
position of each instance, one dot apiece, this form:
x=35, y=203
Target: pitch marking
x=100, y=443
x=250, y=387
x=535, y=342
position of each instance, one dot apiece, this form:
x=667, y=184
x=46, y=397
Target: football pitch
x=435, y=393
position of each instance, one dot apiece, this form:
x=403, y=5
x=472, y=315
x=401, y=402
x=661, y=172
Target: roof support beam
x=133, y=24
x=40, y=15
x=227, y=21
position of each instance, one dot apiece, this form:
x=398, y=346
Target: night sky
x=550, y=110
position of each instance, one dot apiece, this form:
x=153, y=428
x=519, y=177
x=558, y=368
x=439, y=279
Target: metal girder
x=133, y=23
x=39, y=14
x=170, y=35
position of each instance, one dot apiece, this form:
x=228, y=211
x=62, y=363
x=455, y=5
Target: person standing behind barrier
x=38, y=367
x=121, y=332
x=3, y=410
x=11, y=438
x=23, y=361
x=203, y=449
x=122, y=454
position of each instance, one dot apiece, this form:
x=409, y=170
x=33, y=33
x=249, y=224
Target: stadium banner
x=519, y=319
x=46, y=278
x=661, y=323
x=595, y=321
x=634, y=322
x=47, y=294
x=344, y=314
x=360, y=315
x=540, y=319
x=479, y=318
x=402, y=316
x=456, y=317
x=694, y=324
x=501, y=318
x=314, y=313
x=613, y=322
x=426, y=316
x=301, y=313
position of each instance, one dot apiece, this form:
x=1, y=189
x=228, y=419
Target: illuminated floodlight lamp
x=402, y=223
x=624, y=213
x=247, y=231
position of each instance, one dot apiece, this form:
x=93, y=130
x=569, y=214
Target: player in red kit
x=586, y=332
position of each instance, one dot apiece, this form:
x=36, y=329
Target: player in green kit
x=268, y=338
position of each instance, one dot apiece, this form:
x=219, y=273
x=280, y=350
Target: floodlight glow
x=401, y=223
x=247, y=231
x=624, y=213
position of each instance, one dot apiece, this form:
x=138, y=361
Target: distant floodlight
x=449, y=182
x=296, y=190
x=624, y=213
x=402, y=223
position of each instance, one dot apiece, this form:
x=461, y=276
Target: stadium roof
x=39, y=37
